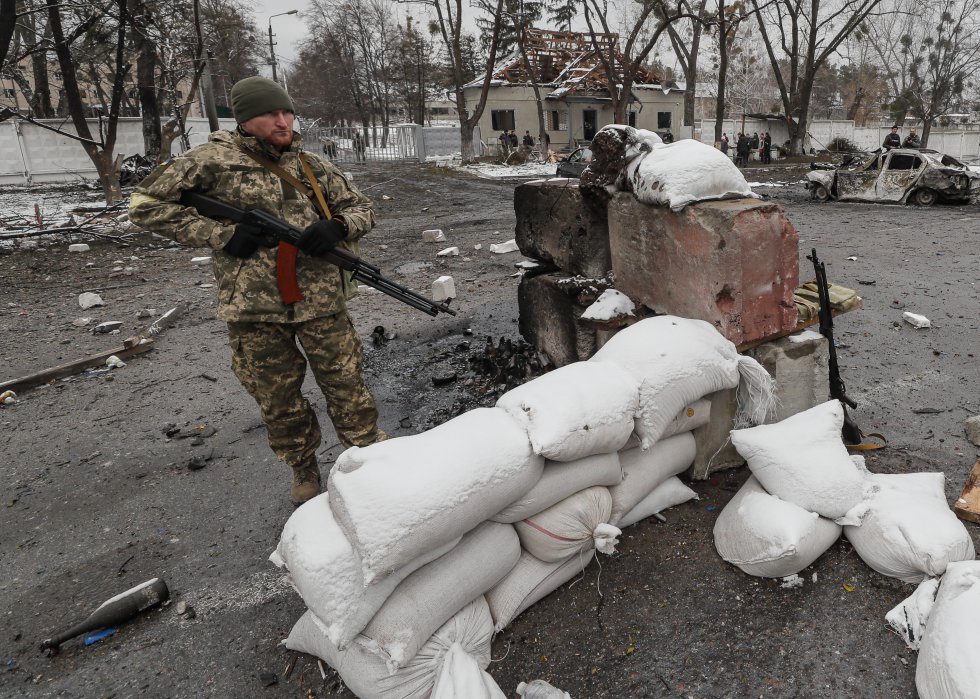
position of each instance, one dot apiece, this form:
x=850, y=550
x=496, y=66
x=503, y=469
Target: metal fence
x=376, y=144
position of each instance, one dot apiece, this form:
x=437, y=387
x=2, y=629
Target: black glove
x=321, y=237
x=246, y=240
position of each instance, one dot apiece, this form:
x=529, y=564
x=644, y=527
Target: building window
x=557, y=120
x=631, y=119
x=502, y=119
x=9, y=92
x=663, y=120
x=439, y=110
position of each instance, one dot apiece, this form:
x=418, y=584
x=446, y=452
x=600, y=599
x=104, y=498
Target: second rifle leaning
x=359, y=269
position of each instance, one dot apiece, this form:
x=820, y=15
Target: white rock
x=207, y=286
x=200, y=260
x=915, y=320
x=509, y=246
x=385, y=197
x=78, y=247
x=89, y=300
x=107, y=327
x=115, y=362
x=433, y=235
x=448, y=252
x=81, y=322
x=478, y=246
x=611, y=304
x=972, y=427
x=443, y=288
x=28, y=245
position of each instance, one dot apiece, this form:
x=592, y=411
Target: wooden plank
x=968, y=506
x=75, y=367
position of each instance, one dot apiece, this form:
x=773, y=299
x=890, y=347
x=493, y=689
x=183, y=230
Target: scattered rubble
x=972, y=427
x=89, y=300
x=434, y=235
x=443, y=288
x=78, y=247
x=916, y=320
x=448, y=252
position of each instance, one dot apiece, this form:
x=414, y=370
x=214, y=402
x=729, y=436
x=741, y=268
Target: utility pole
x=272, y=49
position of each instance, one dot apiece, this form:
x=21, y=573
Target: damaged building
x=574, y=87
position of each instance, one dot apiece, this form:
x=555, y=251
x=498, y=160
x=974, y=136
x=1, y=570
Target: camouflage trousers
x=267, y=360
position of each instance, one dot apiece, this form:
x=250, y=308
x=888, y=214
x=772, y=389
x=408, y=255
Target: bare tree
x=799, y=36
x=448, y=23
x=8, y=20
x=686, y=42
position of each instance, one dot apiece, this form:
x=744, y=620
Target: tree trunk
x=41, y=104
x=926, y=130
x=466, y=140
x=8, y=21
x=537, y=90
x=723, y=47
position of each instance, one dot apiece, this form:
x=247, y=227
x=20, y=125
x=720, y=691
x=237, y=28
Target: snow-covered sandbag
x=668, y=494
x=462, y=676
x=909, y=618
x=576, y=524
x=560, y=480
x=432, y=594
x=769, y=537
x=530, y=581
x=685, y=171
x=909, y=532
x=539, y=689
x=401, y=498
x=803, y=460
x=643, y=471
x=366, y=674
x=948, y=666
x=678, y=361
x=691, y=417
x=327, y=575
x=578, y=410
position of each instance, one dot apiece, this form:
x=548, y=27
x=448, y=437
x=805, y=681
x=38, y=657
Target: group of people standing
x=508, y=141
x=745, y=144
x=893, y=140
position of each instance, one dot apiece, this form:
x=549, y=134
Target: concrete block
x=551, y=308
x=434, y=235
x=555, y=224
x=449, y=252
x=443, y=288
x=799, y=364
x=733, y=263
x=78, y=247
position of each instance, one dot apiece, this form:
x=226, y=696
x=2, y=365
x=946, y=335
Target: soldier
x=239, y=168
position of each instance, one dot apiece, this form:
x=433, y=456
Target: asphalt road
x=96, y=498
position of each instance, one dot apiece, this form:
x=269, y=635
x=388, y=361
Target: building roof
x=567, y=62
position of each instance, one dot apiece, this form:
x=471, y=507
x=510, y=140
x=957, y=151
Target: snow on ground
x=54, y=204
x=492, y=171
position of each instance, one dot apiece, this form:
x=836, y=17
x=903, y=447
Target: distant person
x=513, y=139
x=892, y=140
x=724, y=143
x=766, y=148
x=754, y=143
x=912, y=140
x=546, y=139
x=742, y=147
x=359, y=148
x=504, y=139
x=329, y=148
x=668, y=137
x=528, y=141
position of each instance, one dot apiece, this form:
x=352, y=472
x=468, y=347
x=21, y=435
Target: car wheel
x=820, y=193
x=926, y=197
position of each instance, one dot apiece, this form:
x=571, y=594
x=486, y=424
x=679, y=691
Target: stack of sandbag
x=941, y=620
x=805, y=486
x=424, y=545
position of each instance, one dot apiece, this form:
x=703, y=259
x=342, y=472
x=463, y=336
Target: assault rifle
x=288, y=233
x=850, y=431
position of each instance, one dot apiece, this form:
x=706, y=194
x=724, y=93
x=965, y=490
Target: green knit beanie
x=253, y=96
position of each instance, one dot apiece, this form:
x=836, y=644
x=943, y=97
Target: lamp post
x=272, y=50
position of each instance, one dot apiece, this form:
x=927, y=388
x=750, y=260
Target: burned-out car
x=905, y=175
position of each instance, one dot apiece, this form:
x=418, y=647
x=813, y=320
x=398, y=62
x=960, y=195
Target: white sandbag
x=803, y=460
x=576, y=524
x=691, y=417
x=530, y=581
x=327, y=575
x=432, y=594
x=769, y=537
x=560, y=480
x=679, y=173
x=668, y=494
x=678, y=361
x=578, y=410
x=949, y=656
x=461, y=676
x=909, y=532
x=909, y=618
x=539, y=689
x=401, y=498
x=643, y=471
x=366, y=674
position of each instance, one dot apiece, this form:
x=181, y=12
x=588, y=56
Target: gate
x=369, y=144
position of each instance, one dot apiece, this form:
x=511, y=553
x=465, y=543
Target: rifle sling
x=286, y=253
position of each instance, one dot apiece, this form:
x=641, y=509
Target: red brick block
x=733, y=263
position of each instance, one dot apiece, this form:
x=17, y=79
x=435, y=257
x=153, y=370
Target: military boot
x=306, y=482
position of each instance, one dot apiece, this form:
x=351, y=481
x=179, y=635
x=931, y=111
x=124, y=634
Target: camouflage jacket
x=247, y=289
